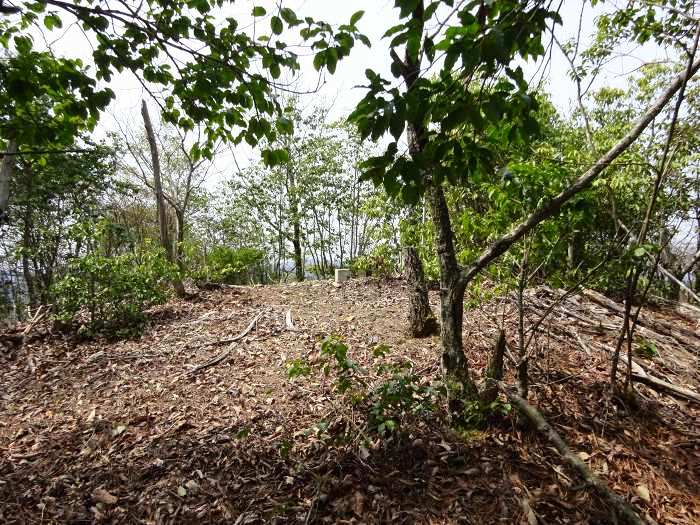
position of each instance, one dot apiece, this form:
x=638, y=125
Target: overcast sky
x=340, y=90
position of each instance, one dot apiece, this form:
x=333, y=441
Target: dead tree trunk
x=160, y=198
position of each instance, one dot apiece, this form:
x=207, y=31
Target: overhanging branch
x=552, y=207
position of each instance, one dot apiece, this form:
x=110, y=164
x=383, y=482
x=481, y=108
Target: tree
x=54, y=198
x=454, y=120
x=45, y=103
x=160, y=199
x=209, y=70
x=170, y=174
x=469, y=113
x=314, y=211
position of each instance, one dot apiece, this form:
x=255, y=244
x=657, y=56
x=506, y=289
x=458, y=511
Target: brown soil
x=120, y=432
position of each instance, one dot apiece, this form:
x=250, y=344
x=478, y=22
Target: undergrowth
x=391, y=395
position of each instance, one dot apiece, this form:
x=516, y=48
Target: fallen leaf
x=643, y=492
x=181, y=491
x=358, y=503
x=531, y=517
x=102, y=496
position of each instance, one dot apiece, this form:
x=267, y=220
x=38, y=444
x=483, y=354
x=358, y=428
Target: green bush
x=232, y=265
x=380, y=262
x=110, y=294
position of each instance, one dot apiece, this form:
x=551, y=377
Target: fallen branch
x=622, y=508
x=212, y=362
x=683, y=335
x=663, y=386
x=641, y=376
x=222, y=356
x=238, y=337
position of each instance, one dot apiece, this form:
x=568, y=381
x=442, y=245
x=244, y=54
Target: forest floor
x=133, y=432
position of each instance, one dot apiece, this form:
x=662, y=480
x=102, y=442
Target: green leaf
x=259, y=11
x=276, y=25
x=397, y=125
x=319, y=60
x=331, y=60
x=52, y=21
x=289, y=16
x=355, y=18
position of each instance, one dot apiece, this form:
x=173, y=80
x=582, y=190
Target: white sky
x=340, y=89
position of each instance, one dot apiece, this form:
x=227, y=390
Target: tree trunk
x=696, y=273
x=575, y=250
x=160, y=199
x=417, y=140
x=452, y=288
x=296, y=222
x=6, y=169
x=26, y=270
x=421, y=321
x=179, y=247
x=27, y=239
x=298, y=258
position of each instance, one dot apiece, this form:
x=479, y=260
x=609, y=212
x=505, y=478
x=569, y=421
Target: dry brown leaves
x=121, y=433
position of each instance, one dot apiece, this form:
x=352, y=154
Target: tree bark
x=180, y=238
x=421, y=321
x=160, y=198
x=6, y=170
x=416, y=136
x=452, y=288
x=574, y=249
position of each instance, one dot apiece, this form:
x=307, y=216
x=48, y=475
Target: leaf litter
x=123, y=432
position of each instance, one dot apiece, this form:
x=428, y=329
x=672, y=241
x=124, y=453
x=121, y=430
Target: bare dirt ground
x=124, y=432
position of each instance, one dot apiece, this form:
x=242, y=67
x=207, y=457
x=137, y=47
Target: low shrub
x=232, y=265
x=110, y=294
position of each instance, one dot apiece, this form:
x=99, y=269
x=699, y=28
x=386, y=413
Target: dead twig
x=238, y=337
x=221, y=357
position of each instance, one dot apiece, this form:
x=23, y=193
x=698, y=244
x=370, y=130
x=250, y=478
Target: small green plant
x=381, y=350
x=336, y=352
x=477, y=413
x=646, y=349
x=399, y=397
x=381, y=262
x=298, y=368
